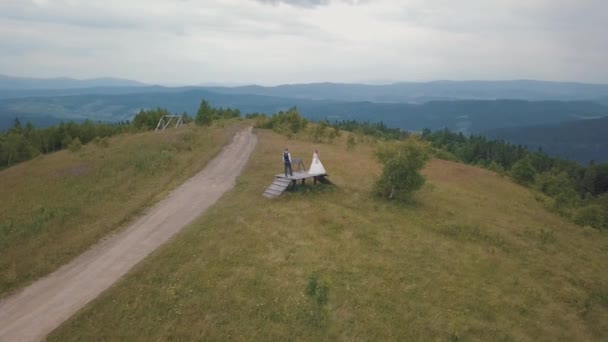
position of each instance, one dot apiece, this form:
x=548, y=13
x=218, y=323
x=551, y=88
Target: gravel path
x=32, y=313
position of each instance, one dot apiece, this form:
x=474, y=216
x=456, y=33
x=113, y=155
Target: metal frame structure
x=166, y=120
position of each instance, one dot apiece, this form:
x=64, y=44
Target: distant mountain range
x=405, y=92
x=21, y=83
x=420, y=92
x=502, y=109
x=468, y=116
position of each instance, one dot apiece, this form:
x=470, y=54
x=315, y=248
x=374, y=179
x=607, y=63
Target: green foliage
x=75, y=145
x=20, y=143
x=565, y=198
x=15, y=148
x=207, y=114
x=523, y=172
x=204, y=115
x=401, y=165
x=494, y=166
x=287, y=123
x=148, y=119
x=553, y=183
x=591, y=215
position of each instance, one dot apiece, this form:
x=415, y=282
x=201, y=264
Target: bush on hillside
x=591, y=215
x=402, y=163
x=552, y=183
x=523, y=172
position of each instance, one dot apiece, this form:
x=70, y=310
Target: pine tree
x=204, y=115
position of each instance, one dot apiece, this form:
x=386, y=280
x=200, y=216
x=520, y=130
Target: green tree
x=402, y=163
x=204, y=115
x=523, y=172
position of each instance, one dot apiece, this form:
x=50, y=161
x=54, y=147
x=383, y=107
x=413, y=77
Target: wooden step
x=276, y=188
x=282, y=181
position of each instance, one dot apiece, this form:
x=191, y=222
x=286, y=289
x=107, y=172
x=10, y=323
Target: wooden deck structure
x=282, y=182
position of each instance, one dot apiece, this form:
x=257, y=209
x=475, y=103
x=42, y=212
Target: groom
x=287, y=162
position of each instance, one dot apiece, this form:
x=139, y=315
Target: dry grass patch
x=467, y=260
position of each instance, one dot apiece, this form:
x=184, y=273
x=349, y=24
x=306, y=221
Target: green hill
x=475, y=257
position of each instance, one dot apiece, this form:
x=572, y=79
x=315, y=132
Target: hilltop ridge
x=475, y=256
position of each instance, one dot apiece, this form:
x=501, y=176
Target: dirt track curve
x=32, y=313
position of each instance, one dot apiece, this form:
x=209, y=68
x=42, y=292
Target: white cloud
x=287, y=41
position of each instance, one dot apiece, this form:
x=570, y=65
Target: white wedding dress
x=316, y=168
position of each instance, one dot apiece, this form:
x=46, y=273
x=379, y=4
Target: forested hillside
x=582, y=140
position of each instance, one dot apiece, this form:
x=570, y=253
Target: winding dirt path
x=32, y=313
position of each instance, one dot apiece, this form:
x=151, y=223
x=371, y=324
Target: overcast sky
x=298, y=41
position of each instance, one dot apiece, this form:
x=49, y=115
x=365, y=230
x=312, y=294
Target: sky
x=268, y=42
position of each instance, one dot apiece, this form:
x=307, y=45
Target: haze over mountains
x=21, y=83
x=471, y=107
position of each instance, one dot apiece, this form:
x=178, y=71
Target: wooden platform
x=282, y=182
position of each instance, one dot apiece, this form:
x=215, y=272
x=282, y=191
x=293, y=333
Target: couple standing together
x=316, y=168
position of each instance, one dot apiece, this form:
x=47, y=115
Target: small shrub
x=350, y=142
x=592, y=216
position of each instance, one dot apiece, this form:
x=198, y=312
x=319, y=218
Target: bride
x=316, y=168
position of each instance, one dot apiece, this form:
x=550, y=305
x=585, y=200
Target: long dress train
x=316, y=167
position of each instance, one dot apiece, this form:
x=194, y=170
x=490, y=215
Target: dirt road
x=32, y=313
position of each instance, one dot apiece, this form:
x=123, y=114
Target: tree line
x=23, y=142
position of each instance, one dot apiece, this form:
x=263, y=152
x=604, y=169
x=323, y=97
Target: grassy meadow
x=54, y=207
x=474, y=257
